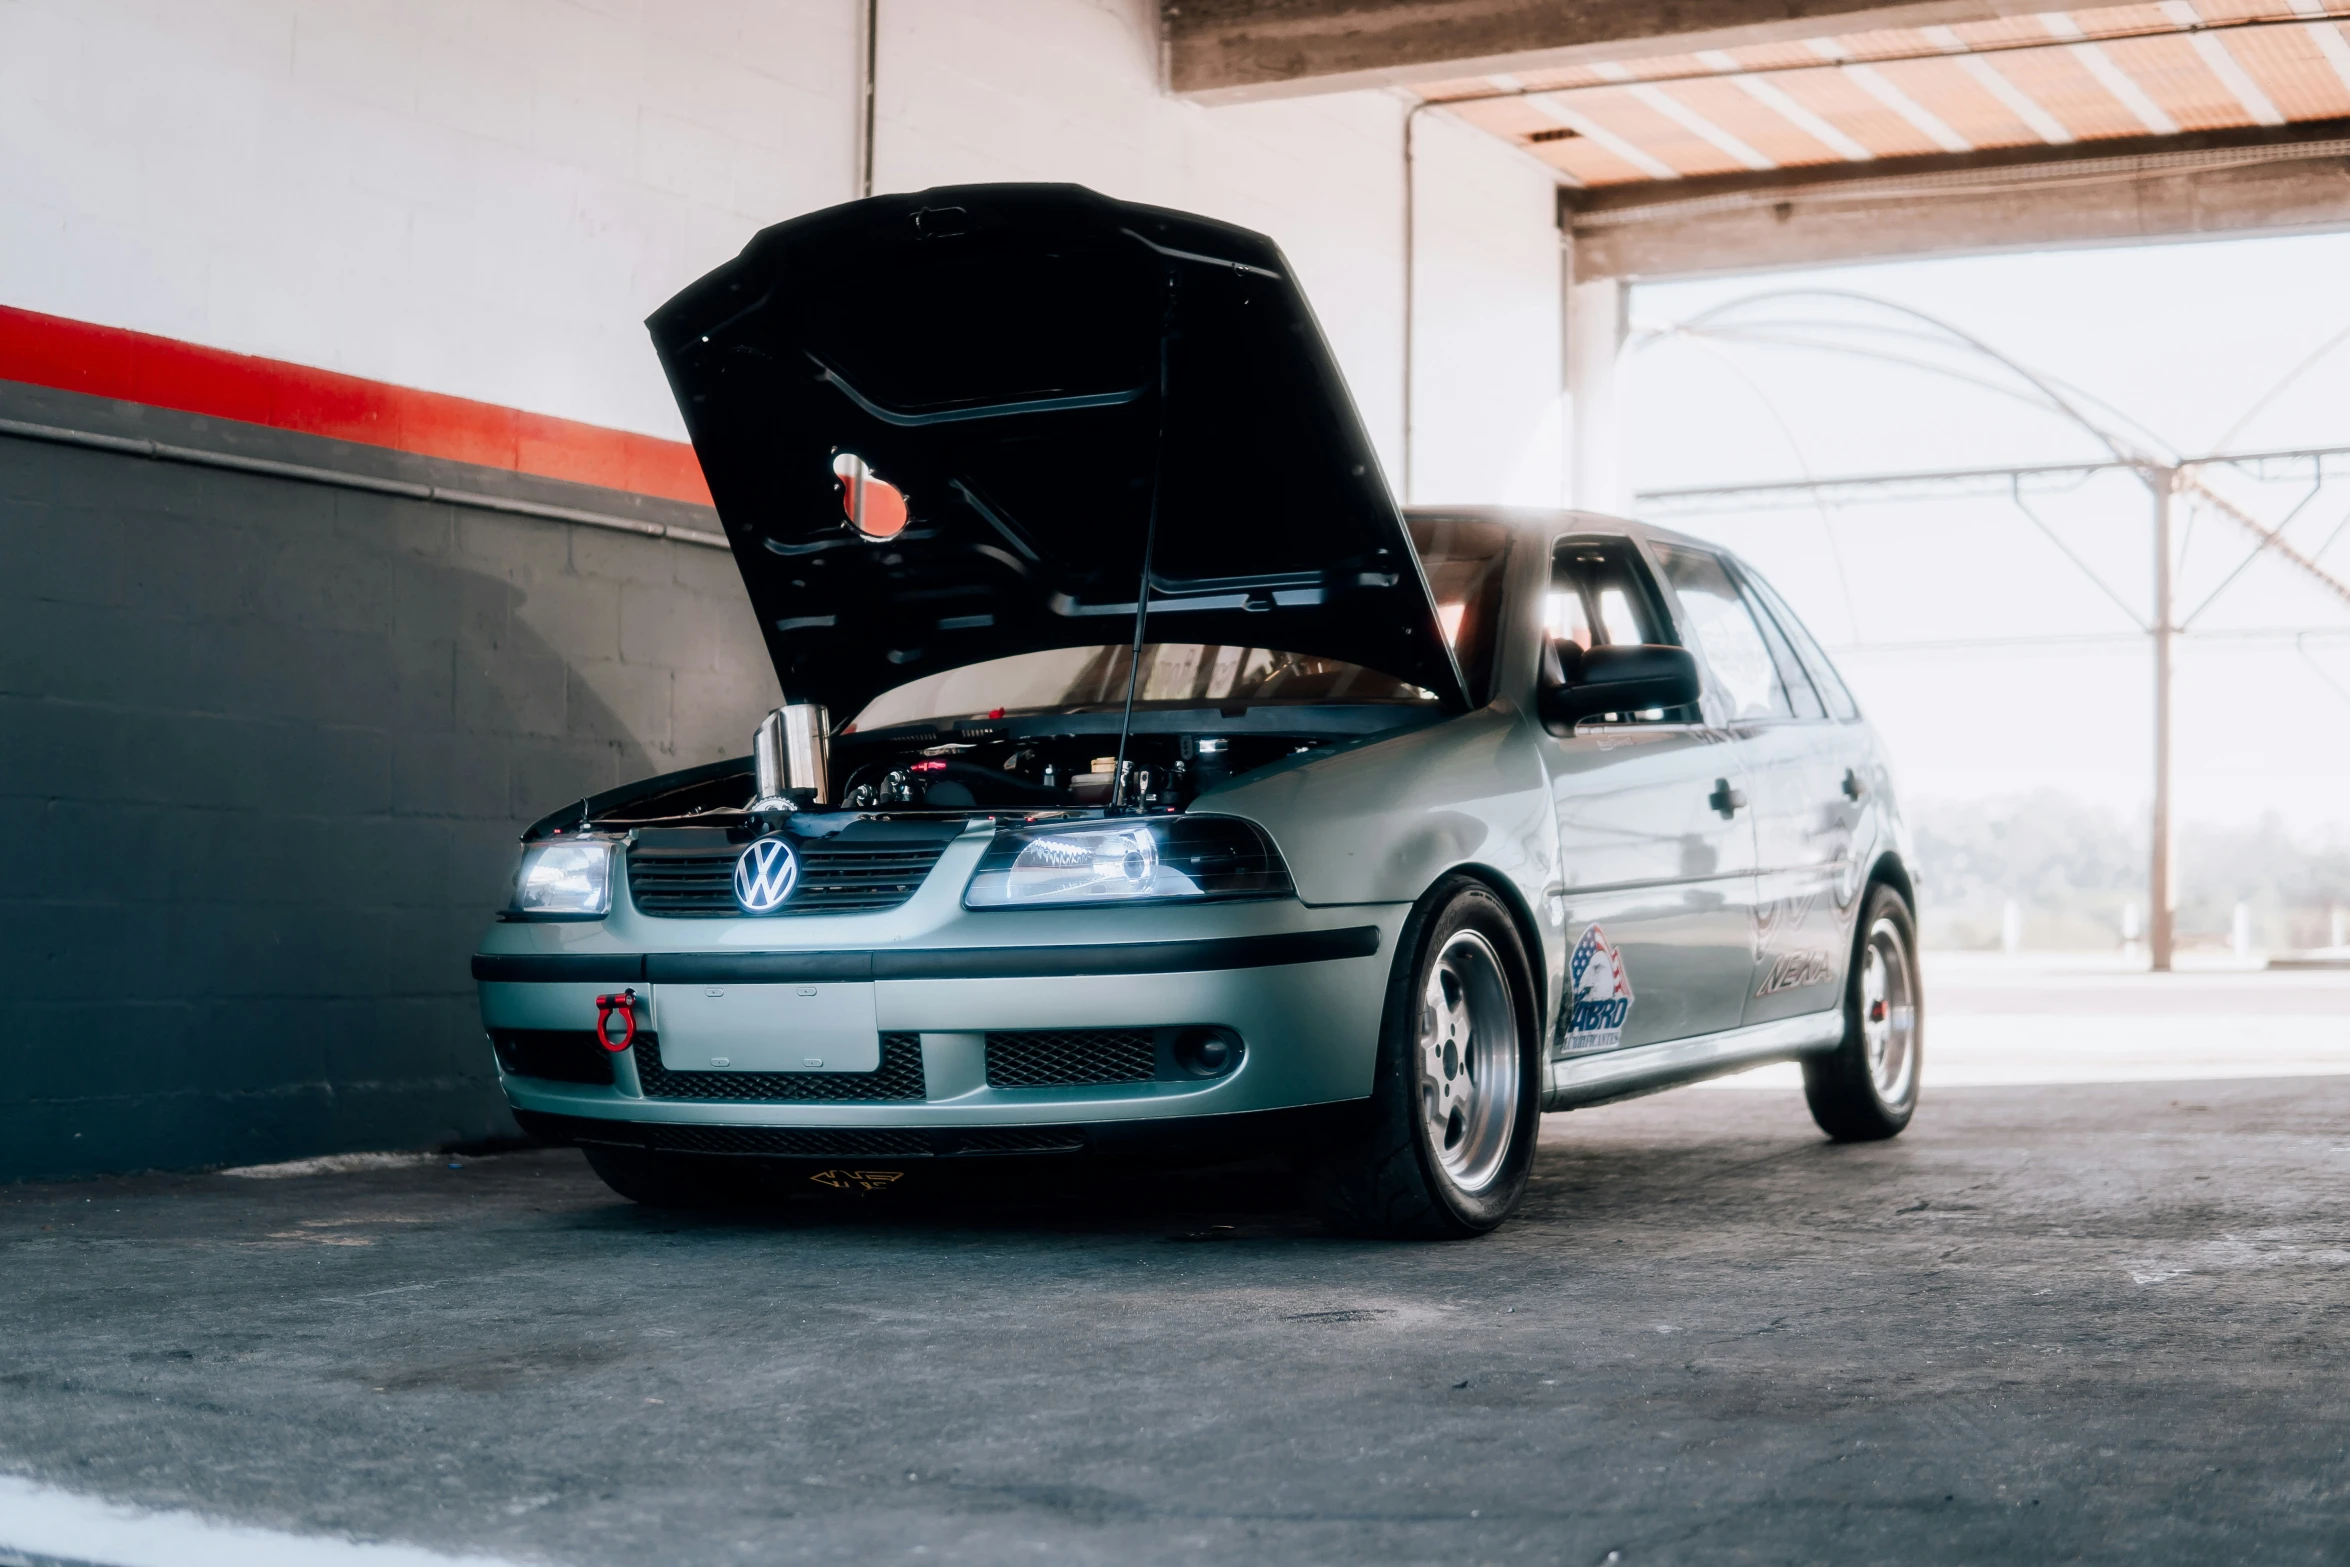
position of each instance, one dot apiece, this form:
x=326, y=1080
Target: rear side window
x=1791, y=676
x=1716, y=617
x=1815, y=660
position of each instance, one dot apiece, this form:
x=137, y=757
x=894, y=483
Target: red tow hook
x=625, y=1005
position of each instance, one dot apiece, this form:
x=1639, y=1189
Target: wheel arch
x=1887, y=869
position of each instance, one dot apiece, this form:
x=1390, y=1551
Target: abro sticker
x=1602, y=997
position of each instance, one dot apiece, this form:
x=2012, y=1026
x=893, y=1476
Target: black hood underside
x=1052, y=380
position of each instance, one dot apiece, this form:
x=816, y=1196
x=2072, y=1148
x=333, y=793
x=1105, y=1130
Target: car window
x=1717, y=619
x=1601, y=595
x=1797, y=684
x=1815, y=660
x=1463, y=557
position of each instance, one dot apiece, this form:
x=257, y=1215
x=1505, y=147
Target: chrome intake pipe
x=791, y=750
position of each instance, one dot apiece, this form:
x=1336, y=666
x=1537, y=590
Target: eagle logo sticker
x=1602, y=997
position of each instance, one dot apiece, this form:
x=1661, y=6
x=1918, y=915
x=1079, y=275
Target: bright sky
x=2180, y=341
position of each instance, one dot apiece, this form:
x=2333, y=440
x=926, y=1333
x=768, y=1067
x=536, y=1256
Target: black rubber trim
x=1139, y=957
x=574, y=968
x=797, y=1143
x=746, y=968
x=1134, y=957
x=1155, y=1142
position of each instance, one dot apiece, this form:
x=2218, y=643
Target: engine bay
x=1053, y=771
x=1029, y=762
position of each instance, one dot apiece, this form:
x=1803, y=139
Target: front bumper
x=1302, y=987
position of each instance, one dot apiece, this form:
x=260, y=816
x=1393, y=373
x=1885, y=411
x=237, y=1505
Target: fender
x=1381, y=821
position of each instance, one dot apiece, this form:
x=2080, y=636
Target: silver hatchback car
x=1193, y=801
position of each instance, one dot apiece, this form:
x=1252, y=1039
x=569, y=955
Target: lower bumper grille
x=1020, y=1139
x=784, y=1143
x=1093, y=1056
x=899, y=1077
x=560, y=1055
x=572, y=1055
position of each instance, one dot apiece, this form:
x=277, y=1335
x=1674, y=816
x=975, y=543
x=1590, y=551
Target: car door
x=1656, y=851
x=1780, y=726
x=1817, y=844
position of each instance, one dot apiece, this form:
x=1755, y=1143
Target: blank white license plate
x=767, y=1028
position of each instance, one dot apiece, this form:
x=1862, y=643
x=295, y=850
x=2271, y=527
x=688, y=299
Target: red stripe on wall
x=104, y=361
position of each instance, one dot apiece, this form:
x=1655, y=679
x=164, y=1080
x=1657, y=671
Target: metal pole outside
x=1411, y=284
x=2161, y=900
x=870, y=47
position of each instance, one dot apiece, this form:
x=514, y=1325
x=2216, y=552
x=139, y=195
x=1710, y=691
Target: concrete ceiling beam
x=1222, y=51
x=2213, y=184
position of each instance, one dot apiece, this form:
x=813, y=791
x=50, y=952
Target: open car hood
x=1050, y=378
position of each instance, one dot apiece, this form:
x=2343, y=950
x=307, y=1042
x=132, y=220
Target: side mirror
x=1624, y=679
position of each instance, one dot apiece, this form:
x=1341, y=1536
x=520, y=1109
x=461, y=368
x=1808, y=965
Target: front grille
x=842, y=875
x=563, y=1055
x=898, y=1077
x=1093, y=1056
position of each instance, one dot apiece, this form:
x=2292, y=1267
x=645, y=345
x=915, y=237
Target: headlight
x=564, y=880
x=1127, y=860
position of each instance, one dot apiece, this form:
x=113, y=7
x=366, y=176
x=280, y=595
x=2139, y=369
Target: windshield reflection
x=1177, y=674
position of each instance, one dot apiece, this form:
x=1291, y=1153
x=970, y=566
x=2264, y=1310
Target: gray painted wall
x=264, y=749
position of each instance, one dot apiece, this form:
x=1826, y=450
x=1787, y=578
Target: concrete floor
x=2097, y=1323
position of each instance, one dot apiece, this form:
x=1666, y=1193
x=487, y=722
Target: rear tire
x=664, y=1180
x=1867, y=1088
x=1456, y=1097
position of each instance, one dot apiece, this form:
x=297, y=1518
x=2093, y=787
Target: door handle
x=1726, y=799
x=1853, y=787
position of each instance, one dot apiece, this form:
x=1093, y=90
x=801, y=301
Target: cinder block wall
x=264, y=749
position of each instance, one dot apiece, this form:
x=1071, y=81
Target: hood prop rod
x=1150, y=540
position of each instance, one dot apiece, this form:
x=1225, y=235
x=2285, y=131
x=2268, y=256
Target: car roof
x=1554, y=519
x=1532, y=519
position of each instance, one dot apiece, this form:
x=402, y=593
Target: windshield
x=1462, y=557
x=1174, y=674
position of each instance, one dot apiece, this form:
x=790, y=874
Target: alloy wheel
x=1888, y=1013
x=1469, y=1061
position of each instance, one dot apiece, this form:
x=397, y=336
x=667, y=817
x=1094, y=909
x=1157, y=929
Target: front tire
x=1867, y=1088
x=1456, y=1096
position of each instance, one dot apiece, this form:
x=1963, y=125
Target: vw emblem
x=765, y=875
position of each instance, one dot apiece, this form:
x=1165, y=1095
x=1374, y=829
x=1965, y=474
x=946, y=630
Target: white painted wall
x=487, y=199
x=1489, y=419
x=478, y=199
